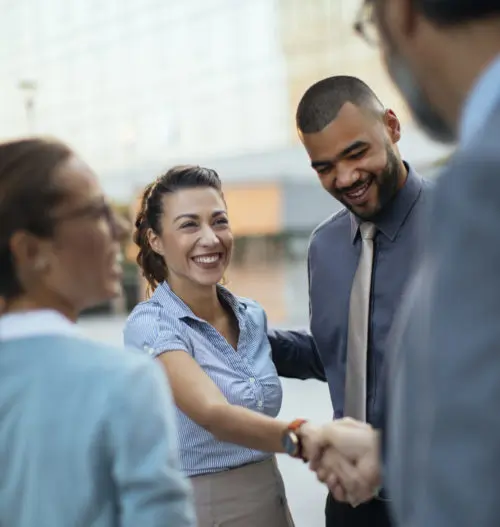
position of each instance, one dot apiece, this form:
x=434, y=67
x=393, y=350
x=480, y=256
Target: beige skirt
x=248, y=496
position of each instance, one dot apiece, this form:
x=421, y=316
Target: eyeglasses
x=97, y=210
x=365, y=25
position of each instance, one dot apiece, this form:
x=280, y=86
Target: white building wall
x=132, y=83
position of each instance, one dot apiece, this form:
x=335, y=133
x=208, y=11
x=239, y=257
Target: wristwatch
x=291, y=440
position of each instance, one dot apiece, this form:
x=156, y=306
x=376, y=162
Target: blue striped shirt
x=247, y=377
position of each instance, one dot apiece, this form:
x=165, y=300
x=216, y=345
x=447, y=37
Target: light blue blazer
x=87, y=432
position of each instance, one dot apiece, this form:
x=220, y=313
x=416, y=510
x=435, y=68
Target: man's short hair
x=322, y=102
x=450, y=12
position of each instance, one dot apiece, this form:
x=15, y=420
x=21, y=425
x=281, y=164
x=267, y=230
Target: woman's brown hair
x=153, y=266
x=27, y=196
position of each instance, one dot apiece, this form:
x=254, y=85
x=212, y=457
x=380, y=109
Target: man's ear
x=399, y=17
x=393, y=126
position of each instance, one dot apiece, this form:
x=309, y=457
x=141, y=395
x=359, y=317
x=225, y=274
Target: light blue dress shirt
x=247, y=377
x=87, y=432
x=482, y=100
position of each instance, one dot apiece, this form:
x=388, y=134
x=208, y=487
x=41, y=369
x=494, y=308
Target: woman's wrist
x=292, y=439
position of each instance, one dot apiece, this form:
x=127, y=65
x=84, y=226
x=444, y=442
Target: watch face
x=290, y=444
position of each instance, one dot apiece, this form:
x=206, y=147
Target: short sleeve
x=165, y=341
x=258, y=313
x=149, y=330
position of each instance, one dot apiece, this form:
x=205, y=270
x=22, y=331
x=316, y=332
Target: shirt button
x=260, y=404
x=251, y=380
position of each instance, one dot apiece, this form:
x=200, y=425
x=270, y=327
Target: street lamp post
x=28, y=88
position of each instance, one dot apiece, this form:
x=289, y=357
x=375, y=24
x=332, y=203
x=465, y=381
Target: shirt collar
x=166, y=297
x=43, y=322
x=480, y=102
x=390, y=220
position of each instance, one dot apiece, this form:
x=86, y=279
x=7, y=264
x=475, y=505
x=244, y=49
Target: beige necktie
x=357, y=336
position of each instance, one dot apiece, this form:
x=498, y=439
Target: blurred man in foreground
x=443, y=433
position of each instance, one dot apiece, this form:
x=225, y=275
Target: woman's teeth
x=207, y=259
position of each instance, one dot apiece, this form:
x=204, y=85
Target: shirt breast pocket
x=269, y=385
x=273, y=394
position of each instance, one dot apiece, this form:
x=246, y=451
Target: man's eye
x=222, y=221
x=323, y=170
x=357, y=155
x=188, y=224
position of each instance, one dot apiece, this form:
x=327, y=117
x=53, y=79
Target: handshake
x=345, y=456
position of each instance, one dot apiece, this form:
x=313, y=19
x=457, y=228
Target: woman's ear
x=32, y=257
x=30, y=252
x=155, y=242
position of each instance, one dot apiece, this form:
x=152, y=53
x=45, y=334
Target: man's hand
x=311, y=437
x=345, y=456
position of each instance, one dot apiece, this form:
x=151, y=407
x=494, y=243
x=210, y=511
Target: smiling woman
x=170, y=221
x=214, y=348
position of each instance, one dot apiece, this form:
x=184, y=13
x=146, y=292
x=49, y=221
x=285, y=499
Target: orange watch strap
x=296, y=424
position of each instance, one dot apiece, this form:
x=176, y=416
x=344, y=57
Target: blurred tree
x=130, y=281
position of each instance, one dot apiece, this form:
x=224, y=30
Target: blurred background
x=135, y=86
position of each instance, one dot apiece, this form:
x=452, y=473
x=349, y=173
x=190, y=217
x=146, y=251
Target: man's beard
x=403, y=77
x=387, y=183
x=423, y=112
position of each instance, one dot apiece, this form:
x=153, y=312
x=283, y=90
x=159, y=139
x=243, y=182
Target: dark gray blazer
x=444, y=425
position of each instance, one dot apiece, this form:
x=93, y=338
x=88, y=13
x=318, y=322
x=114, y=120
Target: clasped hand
x=345, y=456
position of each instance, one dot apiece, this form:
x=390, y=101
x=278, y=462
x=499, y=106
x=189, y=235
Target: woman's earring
x=41, y=264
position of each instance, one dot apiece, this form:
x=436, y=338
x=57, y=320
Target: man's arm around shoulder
x=295, y=355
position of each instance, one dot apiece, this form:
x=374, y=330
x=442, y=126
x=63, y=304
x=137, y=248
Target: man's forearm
x=295, y=355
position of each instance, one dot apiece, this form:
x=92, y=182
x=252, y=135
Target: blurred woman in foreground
x=86, y=431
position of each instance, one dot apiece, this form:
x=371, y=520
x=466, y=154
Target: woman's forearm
x=235, y=424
